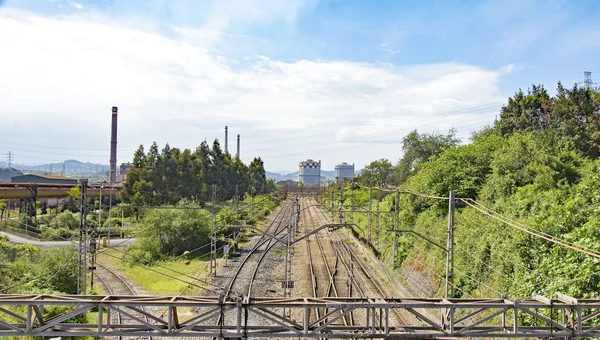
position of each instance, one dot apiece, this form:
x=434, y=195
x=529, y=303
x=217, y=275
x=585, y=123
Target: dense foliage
x=167, y=232
x=163, y=233
x=170, y=175
x=538, y=165
x=26, y=268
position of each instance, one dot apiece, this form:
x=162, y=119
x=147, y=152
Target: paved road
x=59, y=244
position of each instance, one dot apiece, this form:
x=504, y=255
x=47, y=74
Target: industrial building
x=123, y=171
x=309, y=173
x=344, y=171
x=288, y=184
x=45, y=179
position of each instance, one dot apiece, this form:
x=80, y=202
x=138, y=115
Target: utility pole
x=377, y=223
x=82, y=263
x=351, y=206
x=10, y=157
x=236, y=202
x=396, y=213
x=213, y=234
x=287, y=282
x=100, y=213
x=370, y=214
x=450, y=248
x=332, y=197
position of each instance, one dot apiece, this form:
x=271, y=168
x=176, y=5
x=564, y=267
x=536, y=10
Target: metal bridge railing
x=36, y=315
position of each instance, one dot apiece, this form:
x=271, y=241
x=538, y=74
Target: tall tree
x=419, y=148
x=172, y=175
x=377, y=173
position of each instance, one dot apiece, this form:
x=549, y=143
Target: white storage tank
x=309, y=173
x=344, y=171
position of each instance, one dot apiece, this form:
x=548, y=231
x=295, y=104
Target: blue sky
x=347, y=78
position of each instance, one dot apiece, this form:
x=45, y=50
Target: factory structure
x=237, y=154
x=344, y=171
x=309, y=173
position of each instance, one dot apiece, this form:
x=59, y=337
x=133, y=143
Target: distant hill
x=73, y=168
x=6, y=174
x=294, y=175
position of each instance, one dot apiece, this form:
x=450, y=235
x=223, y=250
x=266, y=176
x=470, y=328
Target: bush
x=170, y=232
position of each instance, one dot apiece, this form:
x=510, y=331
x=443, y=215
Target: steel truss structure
x=56, y=315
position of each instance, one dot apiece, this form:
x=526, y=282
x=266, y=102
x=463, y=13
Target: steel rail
x=354, y=258
x=261, y=241
x=125, y=284
x=271, y=243
x=331, y=286
x=311, y=267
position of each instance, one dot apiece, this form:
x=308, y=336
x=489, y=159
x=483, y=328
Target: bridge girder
x=28, y=315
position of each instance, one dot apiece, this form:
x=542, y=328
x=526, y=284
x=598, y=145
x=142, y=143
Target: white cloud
x=62, y=75
x=76, y=4
x=387, y=47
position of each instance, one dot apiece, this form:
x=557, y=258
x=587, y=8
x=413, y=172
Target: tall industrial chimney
x=226, y=139
x=113, y=148
x=238, y=147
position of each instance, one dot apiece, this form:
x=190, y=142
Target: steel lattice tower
x=587, y=79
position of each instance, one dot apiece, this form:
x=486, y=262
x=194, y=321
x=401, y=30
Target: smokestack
x=226, y=139
x=113, y=148
x=238, y=147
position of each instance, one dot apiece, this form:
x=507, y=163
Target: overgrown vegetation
x=538, y=165
x=167, y=232
x=29, y=269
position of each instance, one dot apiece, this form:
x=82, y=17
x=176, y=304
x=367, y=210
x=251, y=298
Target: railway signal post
x=213, y=234
x=83, y=239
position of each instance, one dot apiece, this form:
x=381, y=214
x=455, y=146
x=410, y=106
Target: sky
x=330, y=80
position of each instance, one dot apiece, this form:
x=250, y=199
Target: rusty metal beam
x=22, y=315
x=17, y=192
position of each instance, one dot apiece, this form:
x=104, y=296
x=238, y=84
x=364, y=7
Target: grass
x=164, y=278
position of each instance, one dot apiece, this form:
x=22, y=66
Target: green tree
x=377, y=173
x=419, y=148
x=170, y=232
x=2, y=210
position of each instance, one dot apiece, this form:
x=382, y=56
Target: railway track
x=262, y=247
x=326, y=275
x=359, y=279
x=245, y=275
x=333, y=268
x=115, y=284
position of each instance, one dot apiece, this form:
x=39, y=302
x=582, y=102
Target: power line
x=56, y=147
x=472, y=203
x=378, y=132
x=487, y=211
x=437, y=116
x=344, y=147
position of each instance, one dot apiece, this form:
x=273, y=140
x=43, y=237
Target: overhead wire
x=155, y=271
x=434, y=236
x=337, y=148
x=52, y=275
x=171, y=276
x=440, y=276
x=379, y=133
x=463, y=273
x=583, y=277
x=487, y=211
x=434, y=116
x=530, y=231
x=499, y=230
